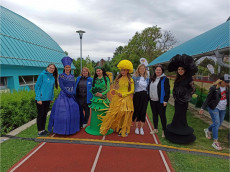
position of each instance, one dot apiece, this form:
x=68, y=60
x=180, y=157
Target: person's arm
x=69, y=94
x=208, y=98
x=167, y=90
x=108, y=87
x=38, y=87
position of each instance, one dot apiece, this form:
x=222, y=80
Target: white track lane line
x=32, y=153
x=97, y=157
x=162, y=155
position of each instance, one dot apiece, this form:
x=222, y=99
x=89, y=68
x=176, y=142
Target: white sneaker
x=84, y=125
x=154, y=131
x=137, y=131
x=142, y=131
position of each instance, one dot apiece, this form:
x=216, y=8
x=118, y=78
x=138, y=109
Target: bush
x=17, y=108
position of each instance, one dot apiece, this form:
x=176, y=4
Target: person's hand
x=98, y=94
x=39, y=102
x=119, y=94
x=201, y=111
x=113, y=92
x=165, y=103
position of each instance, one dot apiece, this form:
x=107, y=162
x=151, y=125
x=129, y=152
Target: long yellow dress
x=119, y=115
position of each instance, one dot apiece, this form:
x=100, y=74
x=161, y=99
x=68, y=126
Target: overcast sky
x=111, y=23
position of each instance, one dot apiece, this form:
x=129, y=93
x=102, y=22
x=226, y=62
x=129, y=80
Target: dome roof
x=23, y=43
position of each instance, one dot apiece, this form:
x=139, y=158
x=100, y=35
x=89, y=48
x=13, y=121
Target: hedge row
x=17, y=108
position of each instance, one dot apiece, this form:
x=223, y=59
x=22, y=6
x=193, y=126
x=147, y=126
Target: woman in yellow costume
x=119, y=115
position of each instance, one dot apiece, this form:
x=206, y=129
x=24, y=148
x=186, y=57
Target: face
x=223, y=84
x=51, y=69
x=158, y=71
x=85, y=72
x=67, y=69
x=99, y=72
x=142, y=70
x=180, y=70
x=124, y=72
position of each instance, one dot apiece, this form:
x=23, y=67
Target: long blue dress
x=66, y=115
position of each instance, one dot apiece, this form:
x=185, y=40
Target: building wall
x=12, y=73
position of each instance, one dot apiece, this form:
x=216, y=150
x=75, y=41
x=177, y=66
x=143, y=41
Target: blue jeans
x=217, y=119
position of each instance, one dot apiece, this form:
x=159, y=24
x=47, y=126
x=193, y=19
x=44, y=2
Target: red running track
x=53, y=157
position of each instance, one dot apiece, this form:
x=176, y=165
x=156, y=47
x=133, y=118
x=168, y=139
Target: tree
x=118, y=51
x=150, y=43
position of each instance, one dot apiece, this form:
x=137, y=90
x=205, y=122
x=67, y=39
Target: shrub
x=17, y=108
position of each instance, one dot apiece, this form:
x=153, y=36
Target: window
x=28, y=81
x=3, y=83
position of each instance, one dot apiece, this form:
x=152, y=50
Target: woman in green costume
x=100, y=102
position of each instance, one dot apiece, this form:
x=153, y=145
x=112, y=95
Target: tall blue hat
x=66, y=61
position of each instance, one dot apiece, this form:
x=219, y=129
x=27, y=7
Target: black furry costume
x=178, y=131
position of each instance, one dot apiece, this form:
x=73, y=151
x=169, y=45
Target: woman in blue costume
x=66, y=116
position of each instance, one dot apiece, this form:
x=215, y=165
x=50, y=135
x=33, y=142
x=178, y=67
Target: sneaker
x=217, y=146
x=163, y=134
x=137, y=131
x=154, y=131
x=42, y=133
x=84, y=125
x=207, y=133
x=142, y=131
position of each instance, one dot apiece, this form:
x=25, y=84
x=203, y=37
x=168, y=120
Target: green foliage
x=17, y=108
x=85, y=63
x=150, y=43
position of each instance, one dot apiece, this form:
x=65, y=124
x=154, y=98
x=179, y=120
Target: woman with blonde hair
x=140, y=98
x=119, y=115
x=216, y=101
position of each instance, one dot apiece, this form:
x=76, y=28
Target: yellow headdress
x=125, y=64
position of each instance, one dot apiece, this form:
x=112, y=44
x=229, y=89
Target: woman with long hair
x=140, y=98
x=44, y=90
x=159, y=93
x=100, y=102
x=179, y=131
x=216, y=101
x=82, y=92
x=66, y=115
x=119, y=115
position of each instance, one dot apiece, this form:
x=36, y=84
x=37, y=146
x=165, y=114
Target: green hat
x=98, y=67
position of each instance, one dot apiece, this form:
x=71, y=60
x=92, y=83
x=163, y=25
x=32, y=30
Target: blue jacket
x=44, y=87
x=136, y=82
x=89, y=86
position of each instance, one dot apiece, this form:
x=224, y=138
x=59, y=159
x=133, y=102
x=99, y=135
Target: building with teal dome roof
x=25, y=50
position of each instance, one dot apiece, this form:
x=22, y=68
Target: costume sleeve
x=131, y=91
x=167, y=90
x=63, y=88
x=208, y=98
x=108, y=87
x=38, y=87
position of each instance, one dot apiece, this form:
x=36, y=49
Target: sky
x=112, y=23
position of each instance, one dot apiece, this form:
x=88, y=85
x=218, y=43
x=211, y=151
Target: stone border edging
x=20, y=129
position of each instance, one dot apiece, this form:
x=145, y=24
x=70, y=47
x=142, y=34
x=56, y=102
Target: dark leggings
x=86, y=108
x=158, y=109
x=42, y=113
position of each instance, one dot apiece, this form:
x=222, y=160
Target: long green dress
x=99, y=106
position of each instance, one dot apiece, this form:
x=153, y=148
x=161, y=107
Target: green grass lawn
x=190, y=162
x=13, y=150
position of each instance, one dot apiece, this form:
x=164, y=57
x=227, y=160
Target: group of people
x=130, y=96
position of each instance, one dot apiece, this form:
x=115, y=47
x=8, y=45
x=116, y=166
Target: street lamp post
x=81, y=35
